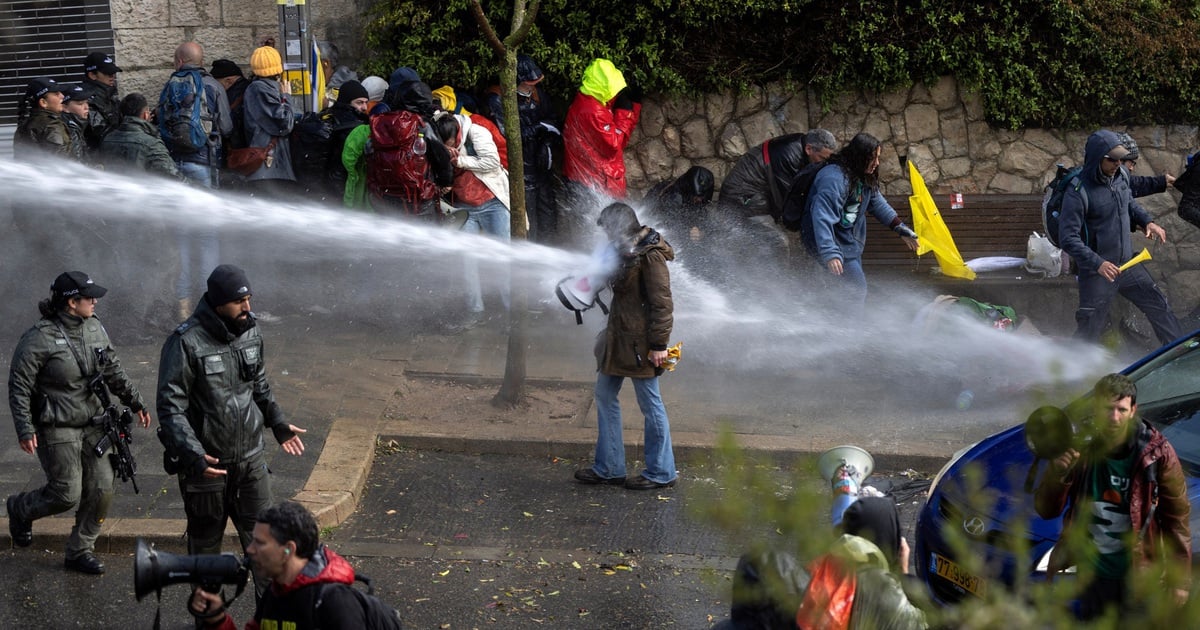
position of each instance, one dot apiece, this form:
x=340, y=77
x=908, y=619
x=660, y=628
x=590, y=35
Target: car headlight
x=942, y=473
x=1043, y=565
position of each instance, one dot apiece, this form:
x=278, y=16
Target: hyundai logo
x=974, y=526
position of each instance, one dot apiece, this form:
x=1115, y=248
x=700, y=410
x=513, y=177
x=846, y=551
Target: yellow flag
x=934, y=235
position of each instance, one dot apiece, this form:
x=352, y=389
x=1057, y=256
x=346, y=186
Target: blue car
x=981, y=502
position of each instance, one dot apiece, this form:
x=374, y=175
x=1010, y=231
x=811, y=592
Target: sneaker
x=641, y=483
x=589, y=477
x=85, y=562
x=20, y=529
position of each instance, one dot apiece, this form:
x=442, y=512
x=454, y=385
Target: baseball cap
x=100, y=62
x=74, y=93
x=39, y=87
x=76, y=283
x=1117, y=153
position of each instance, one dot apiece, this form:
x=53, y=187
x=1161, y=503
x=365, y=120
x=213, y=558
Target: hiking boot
x=20, y=529
x=641, y=483
x=589, y=477
x=85, y=562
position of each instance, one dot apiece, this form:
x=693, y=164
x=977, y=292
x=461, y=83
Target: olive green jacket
x=213, y=395
x=42, y=130
x=136, y=146
x=47, y=388
x=642, y=311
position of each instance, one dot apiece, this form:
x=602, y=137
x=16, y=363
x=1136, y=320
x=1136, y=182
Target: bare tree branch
x=488, y=32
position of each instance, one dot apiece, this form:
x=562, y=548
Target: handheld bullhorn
x=845, y=468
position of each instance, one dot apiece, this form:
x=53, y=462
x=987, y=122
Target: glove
x=904, y=230
x=623, y=101
x=634, y=91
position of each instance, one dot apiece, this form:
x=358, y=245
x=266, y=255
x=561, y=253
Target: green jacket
x=43, y=130
x=642, y=312
x=136, y=145
x=213, y=394
x=355, y=162
x=47, y=388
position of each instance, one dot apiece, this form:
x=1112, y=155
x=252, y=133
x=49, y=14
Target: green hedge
x=1051, y=63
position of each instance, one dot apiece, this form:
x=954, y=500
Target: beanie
x=227, y=283
x=266, y=62
x=351, y=90
x=375, y=87
x=222, y=68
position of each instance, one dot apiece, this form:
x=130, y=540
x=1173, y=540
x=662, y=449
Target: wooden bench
x=986, y=225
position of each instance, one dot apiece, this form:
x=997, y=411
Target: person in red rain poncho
x=597, y=129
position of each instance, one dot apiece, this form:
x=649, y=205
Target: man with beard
x=213, y=403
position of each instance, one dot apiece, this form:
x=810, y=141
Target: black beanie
x=227, y=283
x=351, y=90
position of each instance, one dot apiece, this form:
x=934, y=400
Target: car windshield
x=1169, y=397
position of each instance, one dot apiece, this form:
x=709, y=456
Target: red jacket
x=594, y=139
x=1166, y=536
x=293, y=605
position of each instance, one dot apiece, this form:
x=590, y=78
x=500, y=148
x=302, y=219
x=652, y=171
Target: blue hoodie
x=835, y=232
x=1111, y=213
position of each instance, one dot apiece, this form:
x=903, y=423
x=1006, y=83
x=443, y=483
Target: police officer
x=213, y=403
x=52, y=408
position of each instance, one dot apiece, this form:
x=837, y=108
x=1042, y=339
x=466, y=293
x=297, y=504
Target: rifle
x=117, y=424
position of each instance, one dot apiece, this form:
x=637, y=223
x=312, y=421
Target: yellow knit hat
x=266, y=62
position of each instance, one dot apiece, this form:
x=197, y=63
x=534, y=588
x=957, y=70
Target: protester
x=376, y=87
x=541, y=140
x=596, y=132
x=53, y=407
x=836, y=229
x=268, y=122
x=760, y=179
x=481, y=190
x=1103, y=208
x=310, y=583
x=214, y=400
x=230, y=76
x=39, y=121
x=408, y=167
x=634, y=345
x=317, y=143
x=1129, y=488
x=100, y=80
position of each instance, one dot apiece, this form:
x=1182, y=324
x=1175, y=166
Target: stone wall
x=147, y=32
x=940, y=127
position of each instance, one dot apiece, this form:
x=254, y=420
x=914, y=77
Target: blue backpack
x=184, y=120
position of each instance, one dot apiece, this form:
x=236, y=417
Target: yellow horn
x=1144, y=256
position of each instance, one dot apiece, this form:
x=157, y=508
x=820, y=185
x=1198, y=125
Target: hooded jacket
x=834, y=233
x=213, y=394
x=1111, y=213
x=104, y=110
x=136, y=145
x=747, y=188
x=44, y=130
x=595, y=133
x=327, y=577
x=46, y=385
x=480, y=156
x=268, y=115
x=1167, y=535
x=641, y=314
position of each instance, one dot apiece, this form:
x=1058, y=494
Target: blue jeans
x=848, y=292
x=610, y=447
x=190, y=240
x=493, y=219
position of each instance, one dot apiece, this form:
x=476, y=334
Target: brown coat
x=640, y=317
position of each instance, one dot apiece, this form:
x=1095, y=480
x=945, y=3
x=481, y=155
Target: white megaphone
x=845, y=468
x=580, y=291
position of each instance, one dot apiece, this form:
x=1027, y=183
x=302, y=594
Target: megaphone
x=1142, y=257
x=845, y=468
x=154, y=569
x=578, y=292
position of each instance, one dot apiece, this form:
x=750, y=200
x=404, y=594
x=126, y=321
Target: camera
x=154, y=569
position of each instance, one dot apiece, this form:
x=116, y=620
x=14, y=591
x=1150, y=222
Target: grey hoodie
x=1101, y=232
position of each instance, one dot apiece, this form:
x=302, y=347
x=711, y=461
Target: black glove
x=634, y=91
x=623, y=101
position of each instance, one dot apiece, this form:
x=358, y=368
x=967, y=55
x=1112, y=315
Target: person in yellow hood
x=597, y=129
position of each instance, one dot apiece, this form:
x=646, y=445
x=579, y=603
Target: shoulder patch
x=182, y=328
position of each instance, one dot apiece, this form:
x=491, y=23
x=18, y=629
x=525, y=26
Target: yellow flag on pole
x=934, y=235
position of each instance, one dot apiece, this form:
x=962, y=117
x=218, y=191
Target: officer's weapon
x=117, y=425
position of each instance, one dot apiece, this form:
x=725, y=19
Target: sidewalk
x=338, y=384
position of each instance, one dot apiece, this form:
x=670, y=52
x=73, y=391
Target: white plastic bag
x=1042, y=258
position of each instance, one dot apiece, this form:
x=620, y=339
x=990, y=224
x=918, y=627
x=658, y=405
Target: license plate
x=950, y=571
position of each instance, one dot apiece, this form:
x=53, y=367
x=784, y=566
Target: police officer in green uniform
x=213, y=403
x=52, y=408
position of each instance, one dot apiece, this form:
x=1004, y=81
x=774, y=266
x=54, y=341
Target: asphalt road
x=496, y=541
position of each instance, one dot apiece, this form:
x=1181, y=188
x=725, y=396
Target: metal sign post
x=297, y=54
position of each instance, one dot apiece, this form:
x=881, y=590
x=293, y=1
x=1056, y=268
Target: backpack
x=394, y=168
x=1064, y=179
x=501, y=141
x=378, y=615
x=309, y=143
x=795, y=207
x=184, y=119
